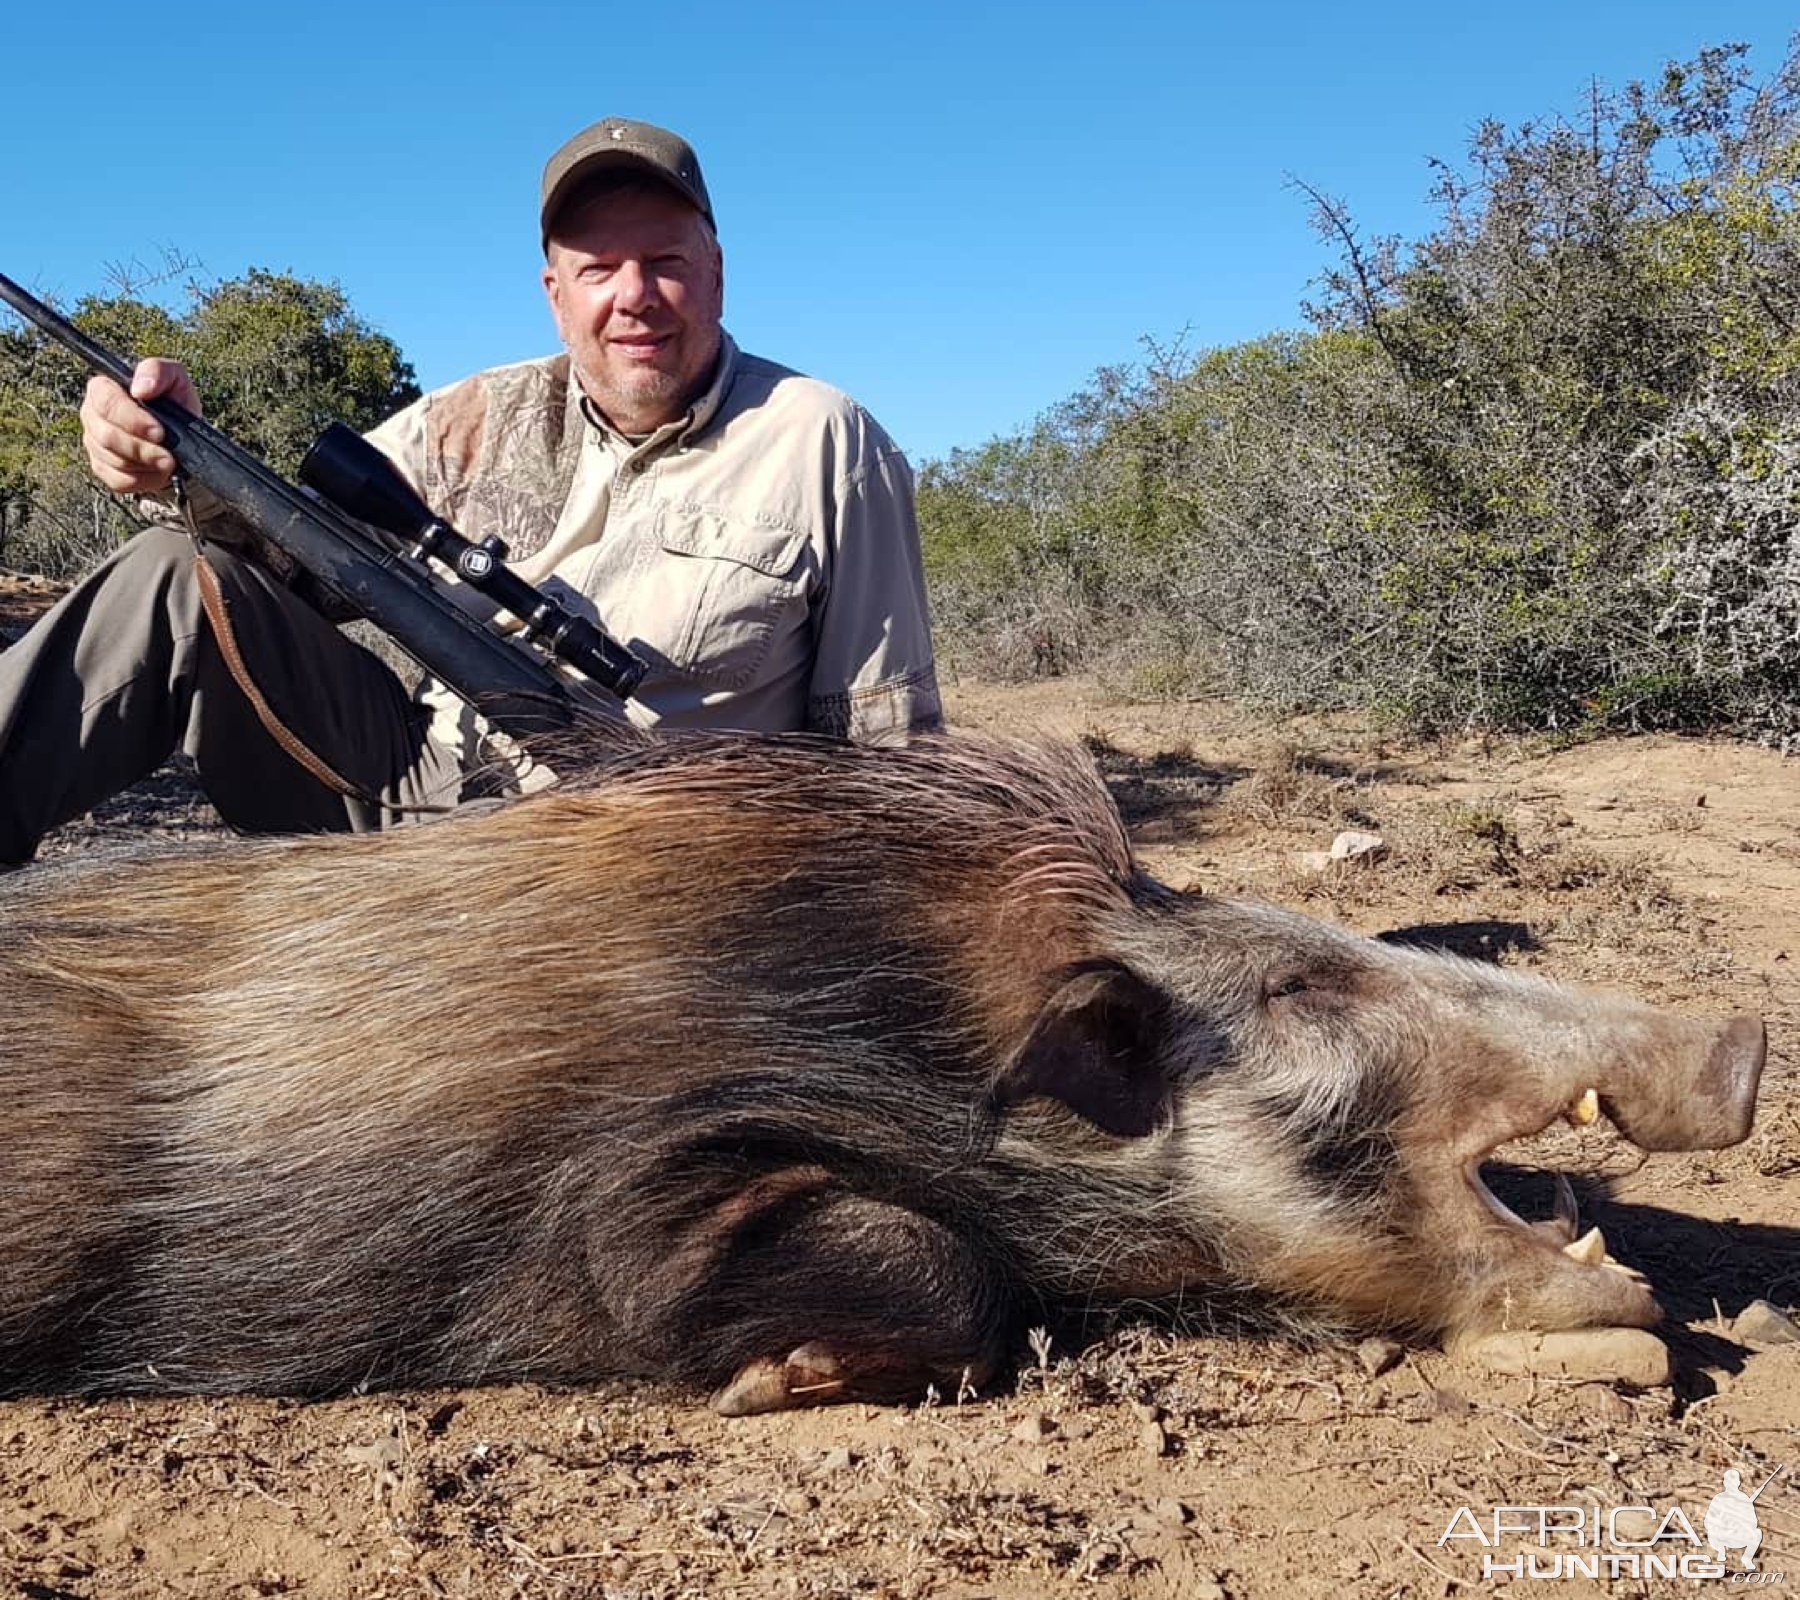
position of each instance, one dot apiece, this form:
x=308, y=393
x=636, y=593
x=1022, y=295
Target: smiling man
x=746, y=530
x=634, y=273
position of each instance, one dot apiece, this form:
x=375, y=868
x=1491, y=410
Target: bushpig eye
x=1323, y=982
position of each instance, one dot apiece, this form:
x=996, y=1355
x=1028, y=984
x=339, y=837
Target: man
x=747, y=531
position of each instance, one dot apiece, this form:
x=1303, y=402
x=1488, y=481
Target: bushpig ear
x=1094, y=1048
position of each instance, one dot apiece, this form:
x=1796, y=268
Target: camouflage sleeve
x=873, y=676
x=209, y=516
x=402, y=439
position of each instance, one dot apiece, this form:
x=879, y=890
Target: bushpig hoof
x=809, y=1376
x=1608, y=1355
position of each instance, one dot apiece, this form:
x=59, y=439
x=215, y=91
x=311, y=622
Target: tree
x=274, y=357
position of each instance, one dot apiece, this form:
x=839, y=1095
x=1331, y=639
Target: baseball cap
x=621, y=143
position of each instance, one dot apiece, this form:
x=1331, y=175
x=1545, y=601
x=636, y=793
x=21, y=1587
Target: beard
x=640, y=399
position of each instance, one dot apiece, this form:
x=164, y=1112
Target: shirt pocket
x=728, y=586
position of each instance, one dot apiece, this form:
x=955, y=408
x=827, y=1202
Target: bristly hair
x=1045, y=805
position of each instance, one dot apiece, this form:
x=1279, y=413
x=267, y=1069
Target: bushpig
x=795, y=1070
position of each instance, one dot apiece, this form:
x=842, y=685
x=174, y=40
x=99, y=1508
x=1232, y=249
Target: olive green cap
x=620, y=142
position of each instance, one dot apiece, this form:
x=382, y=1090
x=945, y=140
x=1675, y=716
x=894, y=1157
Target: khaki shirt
x=760, y=554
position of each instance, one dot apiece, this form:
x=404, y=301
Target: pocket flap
x=694, y=531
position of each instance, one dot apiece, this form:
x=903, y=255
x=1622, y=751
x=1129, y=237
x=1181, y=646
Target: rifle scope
x=358, y=479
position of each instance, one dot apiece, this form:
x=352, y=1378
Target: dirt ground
x=1153, y=1464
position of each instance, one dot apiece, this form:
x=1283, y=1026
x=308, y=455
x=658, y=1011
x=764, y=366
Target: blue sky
x=955, y=211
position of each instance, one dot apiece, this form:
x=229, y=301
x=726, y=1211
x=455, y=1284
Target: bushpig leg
x=860, y=1300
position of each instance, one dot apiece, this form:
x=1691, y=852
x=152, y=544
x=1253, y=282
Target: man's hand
x=123, y=441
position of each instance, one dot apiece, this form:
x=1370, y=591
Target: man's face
x=636, y=284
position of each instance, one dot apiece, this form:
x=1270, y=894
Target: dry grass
x=1288, y=787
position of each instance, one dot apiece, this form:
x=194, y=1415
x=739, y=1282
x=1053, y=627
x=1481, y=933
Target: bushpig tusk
x=1585, y=1108
x=1568, y=1213
x=1589, y=1249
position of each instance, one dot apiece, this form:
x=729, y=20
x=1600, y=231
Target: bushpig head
x=1305, y=1112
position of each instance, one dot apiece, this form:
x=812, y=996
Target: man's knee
x=159, y=542
x=162, y=553
x=154, y=553
x=152, y=572
x=157, y=570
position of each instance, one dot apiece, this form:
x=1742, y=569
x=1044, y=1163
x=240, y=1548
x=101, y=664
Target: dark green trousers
x=125, y=670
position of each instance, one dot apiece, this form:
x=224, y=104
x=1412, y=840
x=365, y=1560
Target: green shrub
x=1538, y=469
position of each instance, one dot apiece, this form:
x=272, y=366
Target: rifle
x=518, y=690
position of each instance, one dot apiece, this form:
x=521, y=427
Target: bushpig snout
x=1696, y=1092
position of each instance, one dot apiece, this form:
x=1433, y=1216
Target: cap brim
x=600, y=161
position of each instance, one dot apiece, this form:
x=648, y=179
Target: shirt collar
x=698, y=418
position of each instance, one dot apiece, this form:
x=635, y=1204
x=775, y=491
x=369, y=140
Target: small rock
x=1206, y=1589
x=1614, y=1355
x=1606, y=1405
x=383, y=1455
x=797, y=1503
x=1379, y=1355
x=1034, y=1428
x=1172, y=1511
x=1315, y=861
x=836, y=1462
x=1154, y=1439
x=557, y=1545
x=1353, y=845
x=1760, y=1323
x=1145, y=1412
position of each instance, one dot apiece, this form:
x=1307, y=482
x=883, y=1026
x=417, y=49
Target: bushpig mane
x=1044, y=803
